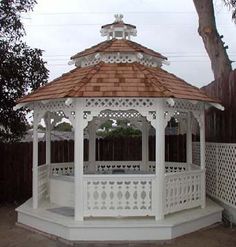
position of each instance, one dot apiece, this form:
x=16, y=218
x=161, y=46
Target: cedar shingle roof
x=117, y=80
x=118, y=45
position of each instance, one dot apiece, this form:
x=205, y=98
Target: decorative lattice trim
x=130, y=114
x=119, y=57
x=184, y=105
x=119, y=102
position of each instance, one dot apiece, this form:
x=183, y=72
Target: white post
x=48, y=139
x=78, y=162
x=202, y=158
x=35, y=160
x=92, y=146
x=47, y=120
x=160, y=161
x=144, y=145
x=189, y=140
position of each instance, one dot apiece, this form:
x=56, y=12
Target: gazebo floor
x=57, y=221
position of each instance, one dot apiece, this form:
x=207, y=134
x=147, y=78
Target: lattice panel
x=211, y=168
x=119, y=102
x=130, y=114
x=114, y=197
x=54, y=106
x=226, y=171
x=184, y=105
x=220, y=171
x=182, y=191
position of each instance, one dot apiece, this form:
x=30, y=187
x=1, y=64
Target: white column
x=189, y=140
x=160, y=161
x=35, y=161
x=47, y=120
x=92, y=146
x=202, y=158
x=78, y=162
x=144, y=145
x=48, y=139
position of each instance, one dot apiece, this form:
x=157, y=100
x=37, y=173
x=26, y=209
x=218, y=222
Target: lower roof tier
x=117, y=80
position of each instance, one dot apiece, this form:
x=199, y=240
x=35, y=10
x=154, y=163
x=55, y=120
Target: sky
x=61, y=28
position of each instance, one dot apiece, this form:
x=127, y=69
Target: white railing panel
x=118, y=195
x=183, y=190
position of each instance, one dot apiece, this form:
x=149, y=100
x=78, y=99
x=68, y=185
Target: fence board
x=220, y=126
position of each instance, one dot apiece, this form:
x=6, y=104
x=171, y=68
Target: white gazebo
x=118, y=200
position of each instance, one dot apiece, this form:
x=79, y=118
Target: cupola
x=118, y=29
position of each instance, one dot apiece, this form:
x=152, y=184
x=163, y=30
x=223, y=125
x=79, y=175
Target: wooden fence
x=220, y=125
x=16, y=159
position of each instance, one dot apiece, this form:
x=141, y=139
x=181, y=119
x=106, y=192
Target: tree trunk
x=220, y=63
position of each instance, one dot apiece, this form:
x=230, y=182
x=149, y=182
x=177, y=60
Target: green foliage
x=122, y=129
x=124, y=132
x=63, y=127
x=21, y=68
x=107, y=126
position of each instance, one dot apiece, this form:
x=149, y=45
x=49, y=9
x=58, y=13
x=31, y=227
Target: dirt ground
x=14, y=236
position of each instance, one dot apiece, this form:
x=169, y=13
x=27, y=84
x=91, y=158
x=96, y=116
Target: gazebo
x=118, y=200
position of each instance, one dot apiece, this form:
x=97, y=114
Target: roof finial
x=118, y=17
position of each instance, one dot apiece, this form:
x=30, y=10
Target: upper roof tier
x=118, y=51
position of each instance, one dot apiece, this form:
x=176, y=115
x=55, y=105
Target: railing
x=43, y=176
x=132, y=194
x=62, y=169
x=183, y=190
x=169, y=166
x=111, y=166
x=118, y=195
